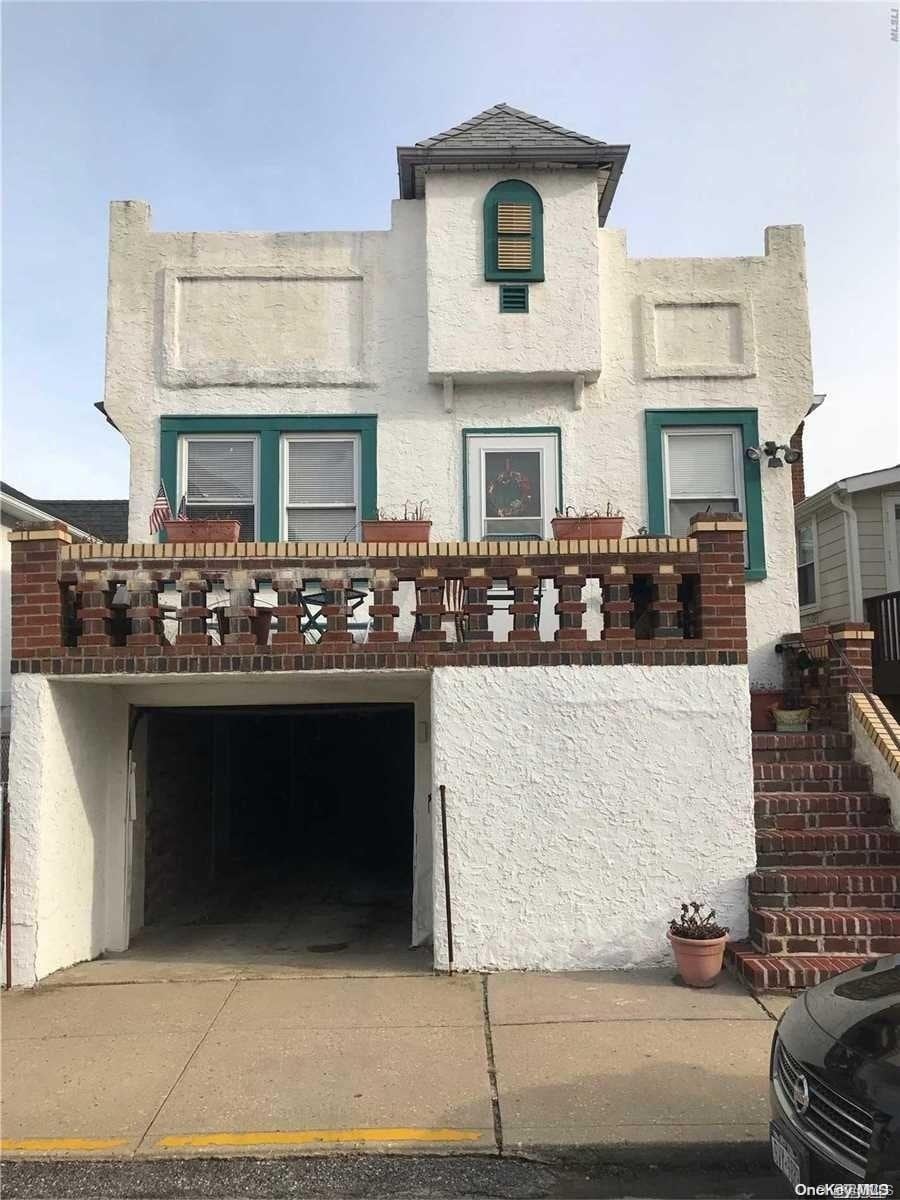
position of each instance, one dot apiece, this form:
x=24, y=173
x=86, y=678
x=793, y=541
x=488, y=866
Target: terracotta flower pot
x=196, y=530
x=396, y=531
x=791, y=720
x=570, y=528
x=698, y=962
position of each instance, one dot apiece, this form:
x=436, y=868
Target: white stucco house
x=583, y=703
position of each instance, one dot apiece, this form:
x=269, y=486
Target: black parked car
x=834, y=1080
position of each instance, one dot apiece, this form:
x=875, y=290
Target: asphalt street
x=427, y=1177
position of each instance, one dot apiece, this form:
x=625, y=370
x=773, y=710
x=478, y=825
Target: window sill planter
x=396, y=531
x=699, y=961
x=202, y=531
x=570, y=528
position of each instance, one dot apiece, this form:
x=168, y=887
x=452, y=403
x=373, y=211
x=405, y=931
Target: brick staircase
x=826, y=892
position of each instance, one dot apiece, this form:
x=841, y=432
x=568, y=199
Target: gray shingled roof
x=502, y=125
x=504, y=138
x=103, y=519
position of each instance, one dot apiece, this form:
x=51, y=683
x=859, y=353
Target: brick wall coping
x=878, y=724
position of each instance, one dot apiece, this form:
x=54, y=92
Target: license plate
x=790, y=1160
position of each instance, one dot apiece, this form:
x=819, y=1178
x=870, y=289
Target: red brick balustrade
x=94, y=608
x=841, y=661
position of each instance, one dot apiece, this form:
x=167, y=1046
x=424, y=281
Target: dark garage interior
x=277, y=833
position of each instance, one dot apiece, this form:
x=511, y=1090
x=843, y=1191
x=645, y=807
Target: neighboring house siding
x=870, y=522
x=833, y=599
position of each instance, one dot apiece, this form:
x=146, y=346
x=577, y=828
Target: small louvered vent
x=514, y=254
x=513, y=298
x=514, y=218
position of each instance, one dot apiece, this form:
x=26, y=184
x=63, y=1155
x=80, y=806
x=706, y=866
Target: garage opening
x=276, y=836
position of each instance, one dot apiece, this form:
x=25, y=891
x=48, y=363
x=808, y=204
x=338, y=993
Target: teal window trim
x=657, y=420
x=495, y=431
x=269, y=431
x=513, y=191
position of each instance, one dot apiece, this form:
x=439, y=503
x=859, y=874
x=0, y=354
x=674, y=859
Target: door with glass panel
x=512, y=485
x=320, y=488
x=218, y=478
x=704, y=471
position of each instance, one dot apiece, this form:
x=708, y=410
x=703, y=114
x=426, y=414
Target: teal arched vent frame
x=513, y=192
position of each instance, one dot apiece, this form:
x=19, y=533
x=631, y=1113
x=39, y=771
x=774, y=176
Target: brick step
x=786, y=973
x=811, y=777
x=822, y=740
x=825, y=931
x=825, y=887
x=823, y=754
x=828, y=847
x=815, y=810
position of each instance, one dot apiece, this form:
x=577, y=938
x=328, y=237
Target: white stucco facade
x=336, y=324
x=591, y=804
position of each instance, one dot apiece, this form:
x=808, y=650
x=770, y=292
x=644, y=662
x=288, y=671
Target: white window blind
x=321, y=489
x=220, y=469
x=701, y=464
x=703, y=473
x=218, y=479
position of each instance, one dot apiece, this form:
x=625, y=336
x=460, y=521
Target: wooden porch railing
x=94, y=608
x=883, y=615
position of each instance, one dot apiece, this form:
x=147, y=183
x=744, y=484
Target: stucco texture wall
x=583, y=805
x=420, y=445
x=67, y=793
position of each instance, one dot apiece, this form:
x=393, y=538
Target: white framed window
x=703, y=469
x=320, y=487
x=512, y=482
x=218, y=476
x=807, y=582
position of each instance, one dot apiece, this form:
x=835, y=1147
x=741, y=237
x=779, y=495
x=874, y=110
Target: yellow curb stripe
x=305, y=1137
x=69, y=1143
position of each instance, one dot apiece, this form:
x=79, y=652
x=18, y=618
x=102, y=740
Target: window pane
x=220, y=469
x=701, y=464
x=509, y=528
x=805, y=547
x=321, y=472
x=245, y=513
x=322, y=525
x=681, y=511
x=806, y=584
x=512, y=484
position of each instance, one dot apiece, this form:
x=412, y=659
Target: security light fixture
x=771, y=451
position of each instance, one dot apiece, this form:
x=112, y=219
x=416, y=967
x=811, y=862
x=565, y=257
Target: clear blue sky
x=286, y=116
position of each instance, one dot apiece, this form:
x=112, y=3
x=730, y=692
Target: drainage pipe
x=851, y=549
x=443, y=792
x=6, y=886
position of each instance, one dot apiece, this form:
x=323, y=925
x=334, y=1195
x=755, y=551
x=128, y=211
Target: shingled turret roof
x=503, y=137
x=502, y=125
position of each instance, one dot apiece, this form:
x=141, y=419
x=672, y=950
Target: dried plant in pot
x=698, y=944
x=572, y=524
x=412, y=526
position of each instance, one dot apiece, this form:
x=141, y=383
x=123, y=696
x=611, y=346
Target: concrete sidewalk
x=602, y=1061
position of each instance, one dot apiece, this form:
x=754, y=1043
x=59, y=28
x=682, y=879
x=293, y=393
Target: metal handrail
x=874, y=700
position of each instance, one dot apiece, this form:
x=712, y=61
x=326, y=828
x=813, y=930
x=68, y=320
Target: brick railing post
x=288, y=612
x=722, y=602
x=524, y=608
x=193, y=615
x=570, y=607
x=665, y=605
x=617, y=604
x=144, y=616
x=429, y=606
x=336, y=633
x=239, y=610
x=383, y=610
x=477, y=608
x=843, y=654
x=36, y=598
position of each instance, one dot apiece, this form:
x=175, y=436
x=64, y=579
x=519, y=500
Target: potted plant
x=572, y=524
x=791, y=720
x=203, y=529
x=698, y=944
x=412, y=526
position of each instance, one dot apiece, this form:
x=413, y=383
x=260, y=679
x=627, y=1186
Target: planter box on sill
x=577, y=528
x=193, y=530
x=396, y=531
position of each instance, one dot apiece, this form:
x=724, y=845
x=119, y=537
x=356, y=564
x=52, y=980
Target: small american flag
x=182, y=515
x=160, y=511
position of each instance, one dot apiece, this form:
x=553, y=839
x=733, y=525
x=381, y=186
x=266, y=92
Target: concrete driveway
x=519, y=1061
